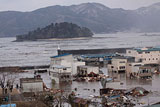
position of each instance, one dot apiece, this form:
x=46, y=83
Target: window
x=122, y=67
x=64, y=68
x=147, y=52
x=122, y=62
x=139, y=52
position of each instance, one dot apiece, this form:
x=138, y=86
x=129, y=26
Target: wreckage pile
x=118, y=97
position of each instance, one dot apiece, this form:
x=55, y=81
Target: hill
x=95, y=16
x=57, y=30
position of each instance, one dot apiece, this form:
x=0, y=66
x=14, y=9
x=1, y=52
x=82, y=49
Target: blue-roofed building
x=149, y=55
x=63, y=64
x=8, y=105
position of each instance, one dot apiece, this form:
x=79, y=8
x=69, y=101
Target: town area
x=107, y=79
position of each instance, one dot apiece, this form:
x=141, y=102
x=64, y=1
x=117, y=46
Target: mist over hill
x=95, y=16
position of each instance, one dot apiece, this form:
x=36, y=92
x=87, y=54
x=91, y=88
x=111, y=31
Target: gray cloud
x=29, y=5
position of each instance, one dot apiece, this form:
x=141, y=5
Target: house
x=118, y=64
x=31, y=84
x=84, y=71
x=145, y=55
x=60, y=73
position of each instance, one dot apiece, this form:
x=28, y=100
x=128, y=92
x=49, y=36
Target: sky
x=30, y=5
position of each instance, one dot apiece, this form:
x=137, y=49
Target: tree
x=7, y=80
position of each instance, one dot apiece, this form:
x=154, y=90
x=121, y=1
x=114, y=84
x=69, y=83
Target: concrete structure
x=85, y=70
x=31, y=84
x=60, y=73
x=118, y=64
x=145, y=55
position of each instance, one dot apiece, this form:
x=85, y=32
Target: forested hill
x=57, y=30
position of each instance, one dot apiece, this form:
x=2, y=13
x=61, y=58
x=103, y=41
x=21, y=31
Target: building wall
x=132, y=68
x=67, y=61
x=87, y=70
x=93, y=69
x=32, y=87
x=118, y=64
x=75, y=65
x=152, y=57
x=60, y=60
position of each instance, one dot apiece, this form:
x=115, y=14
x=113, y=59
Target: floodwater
x=39, y=52
x=85, y=89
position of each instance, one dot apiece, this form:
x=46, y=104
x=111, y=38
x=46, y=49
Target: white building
x=118, y=64
x=145, y=55
x=66, y=60
x=85, y=70
x=31, y=84
x=60, y=73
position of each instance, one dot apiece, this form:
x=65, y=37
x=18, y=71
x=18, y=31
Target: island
x=57, y=30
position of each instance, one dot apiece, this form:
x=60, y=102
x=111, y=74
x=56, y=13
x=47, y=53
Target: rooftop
x=84, y=66
x=147, y=49
x=30, y=80
x=59, y=66
x=98, y=55
x=57, y=56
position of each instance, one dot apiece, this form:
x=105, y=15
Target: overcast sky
x=29, y=5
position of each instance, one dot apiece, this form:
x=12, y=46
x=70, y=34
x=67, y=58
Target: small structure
x=60, y=73
x=84, y=71
x=31, y=84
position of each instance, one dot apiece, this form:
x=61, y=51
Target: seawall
x=93, y=51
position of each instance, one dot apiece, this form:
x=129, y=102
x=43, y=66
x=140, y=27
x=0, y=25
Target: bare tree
x=159, y=65
x=7, y=80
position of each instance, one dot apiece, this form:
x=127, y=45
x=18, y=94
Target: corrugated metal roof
x=60, y=55
x=8, y=105
x=148, y=50
x=98, y=55
x=59, y=66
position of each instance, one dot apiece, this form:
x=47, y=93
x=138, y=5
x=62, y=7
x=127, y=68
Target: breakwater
x=93, y=51
x=21, y=68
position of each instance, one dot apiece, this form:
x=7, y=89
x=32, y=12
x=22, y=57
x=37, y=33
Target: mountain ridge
x=95, y=16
